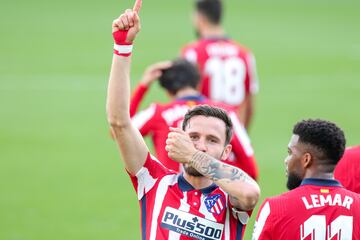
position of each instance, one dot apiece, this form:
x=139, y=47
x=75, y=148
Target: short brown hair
x=210, y=111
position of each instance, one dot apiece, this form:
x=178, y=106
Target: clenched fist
x=126, y=26
x=179, y=146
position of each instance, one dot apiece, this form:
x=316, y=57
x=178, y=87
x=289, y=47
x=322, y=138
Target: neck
x=198, y=182
x=320, y=171
x=212, y=31
x=185, y=92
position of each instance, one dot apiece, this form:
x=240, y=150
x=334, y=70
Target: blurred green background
x=60, y=173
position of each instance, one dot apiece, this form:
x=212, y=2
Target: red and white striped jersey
x=228, y=70
x=171, y=209
x=319, y=209
x=347, y=171
x=156, y=120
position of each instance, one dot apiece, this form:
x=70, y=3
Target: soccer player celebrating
x=228, y=69
x=347, y=171
x=180, y=78
x=210, y=200
x=317, y=206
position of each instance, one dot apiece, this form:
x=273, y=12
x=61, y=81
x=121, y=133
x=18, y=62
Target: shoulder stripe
x=164, y=183
x=141, y=118
x=260, y=223
x=145, y=182
x=242, y=135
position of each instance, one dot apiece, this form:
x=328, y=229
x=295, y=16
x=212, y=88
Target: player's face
x=208, y=135
x=294, y=170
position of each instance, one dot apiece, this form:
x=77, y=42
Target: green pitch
x=60, y=173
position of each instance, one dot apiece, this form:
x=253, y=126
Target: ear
x=226, y=152
x=307, y=160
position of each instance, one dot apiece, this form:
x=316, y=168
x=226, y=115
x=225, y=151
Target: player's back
x=317, y=210
x=228, y=71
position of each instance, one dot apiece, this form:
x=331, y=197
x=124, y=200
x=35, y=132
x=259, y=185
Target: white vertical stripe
x=217, y=210
x=227, y=218
x=220, y=204
x=145, y=182
x=164, y=183
x=241, y=134
x=260, y=223
x=227, y=225
x=185, y=207
x=142, y=117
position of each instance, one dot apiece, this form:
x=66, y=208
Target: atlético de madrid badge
x=215, y=203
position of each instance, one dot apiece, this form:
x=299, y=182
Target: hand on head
x=153, y=72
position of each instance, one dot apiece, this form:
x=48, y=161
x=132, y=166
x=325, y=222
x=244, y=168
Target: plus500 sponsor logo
x=191, y=225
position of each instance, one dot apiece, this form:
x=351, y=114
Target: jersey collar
x=192, y=98
x=321, y=182
x=185, y=186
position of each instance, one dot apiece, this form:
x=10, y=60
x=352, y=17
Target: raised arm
x=131, y=144
x=243, y=190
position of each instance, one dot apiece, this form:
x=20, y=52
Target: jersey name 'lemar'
x=315, y=201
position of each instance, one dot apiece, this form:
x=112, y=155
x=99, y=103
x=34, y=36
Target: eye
x=213, y=140
x=194, y=137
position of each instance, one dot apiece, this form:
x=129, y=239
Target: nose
x=200, y=145
x=286, y=160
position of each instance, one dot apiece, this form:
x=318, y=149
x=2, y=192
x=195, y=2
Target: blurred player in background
x=180, y=79
x=210, y=200
x=317, y=206
x=347, y=171
x=228, y=69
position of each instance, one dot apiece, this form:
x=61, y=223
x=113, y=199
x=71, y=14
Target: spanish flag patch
x=324, y=190
x=191, y=103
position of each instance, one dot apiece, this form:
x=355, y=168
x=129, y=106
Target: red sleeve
x=263, y=224
x=146, y=119
x=245, y=162
x=136, y=98
x=146, y=178
x=242, y=149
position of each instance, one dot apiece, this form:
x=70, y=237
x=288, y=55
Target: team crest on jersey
x=215, y=203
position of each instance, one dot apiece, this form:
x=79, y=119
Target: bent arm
x=243, y=190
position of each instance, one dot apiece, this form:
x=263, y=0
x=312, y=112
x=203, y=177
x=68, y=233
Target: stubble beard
x=192, y=171
x=195, y=173
x=293, y=181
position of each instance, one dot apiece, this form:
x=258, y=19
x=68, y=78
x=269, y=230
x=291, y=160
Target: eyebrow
x=207, y=136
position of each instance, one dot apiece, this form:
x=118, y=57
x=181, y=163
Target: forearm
x=119, y=92
x=243, y=190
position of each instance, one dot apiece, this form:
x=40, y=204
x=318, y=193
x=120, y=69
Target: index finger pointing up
x=137, y=6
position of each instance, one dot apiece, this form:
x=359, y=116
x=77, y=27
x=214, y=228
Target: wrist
x=124, y=50
x=193, y=157
x=122, y=47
